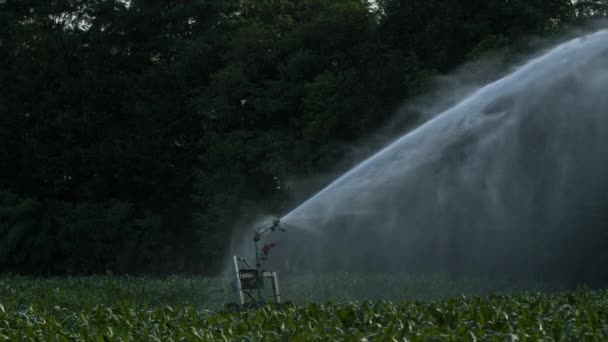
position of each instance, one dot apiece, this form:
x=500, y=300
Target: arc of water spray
x=538, y=68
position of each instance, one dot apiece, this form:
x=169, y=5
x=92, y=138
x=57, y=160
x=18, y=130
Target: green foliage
x=61, y=237
x=17, y=223
x=103, y=308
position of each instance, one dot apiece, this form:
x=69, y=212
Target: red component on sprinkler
x=268, y=247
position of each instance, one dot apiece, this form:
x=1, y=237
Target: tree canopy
x=135, y=134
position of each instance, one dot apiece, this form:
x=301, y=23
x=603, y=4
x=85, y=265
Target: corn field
x=136, y=309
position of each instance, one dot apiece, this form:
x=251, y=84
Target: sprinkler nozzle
x=275, y=224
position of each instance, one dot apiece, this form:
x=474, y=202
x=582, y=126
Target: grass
x=328, y=306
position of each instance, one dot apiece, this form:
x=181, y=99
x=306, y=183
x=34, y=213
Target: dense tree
x=442, y=33
x=136, y=133
x=591, y=8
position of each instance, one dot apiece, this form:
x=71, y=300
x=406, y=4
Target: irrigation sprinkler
x=249, y=280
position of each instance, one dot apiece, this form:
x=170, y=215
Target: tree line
x=135, y=134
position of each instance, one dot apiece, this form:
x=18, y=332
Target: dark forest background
x=134, y=134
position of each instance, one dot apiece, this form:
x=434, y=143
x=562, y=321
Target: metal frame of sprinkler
x=250, y=280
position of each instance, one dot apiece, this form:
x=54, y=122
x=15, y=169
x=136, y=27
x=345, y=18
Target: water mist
x=508, y=182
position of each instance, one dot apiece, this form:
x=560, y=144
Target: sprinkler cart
x=249, y=281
